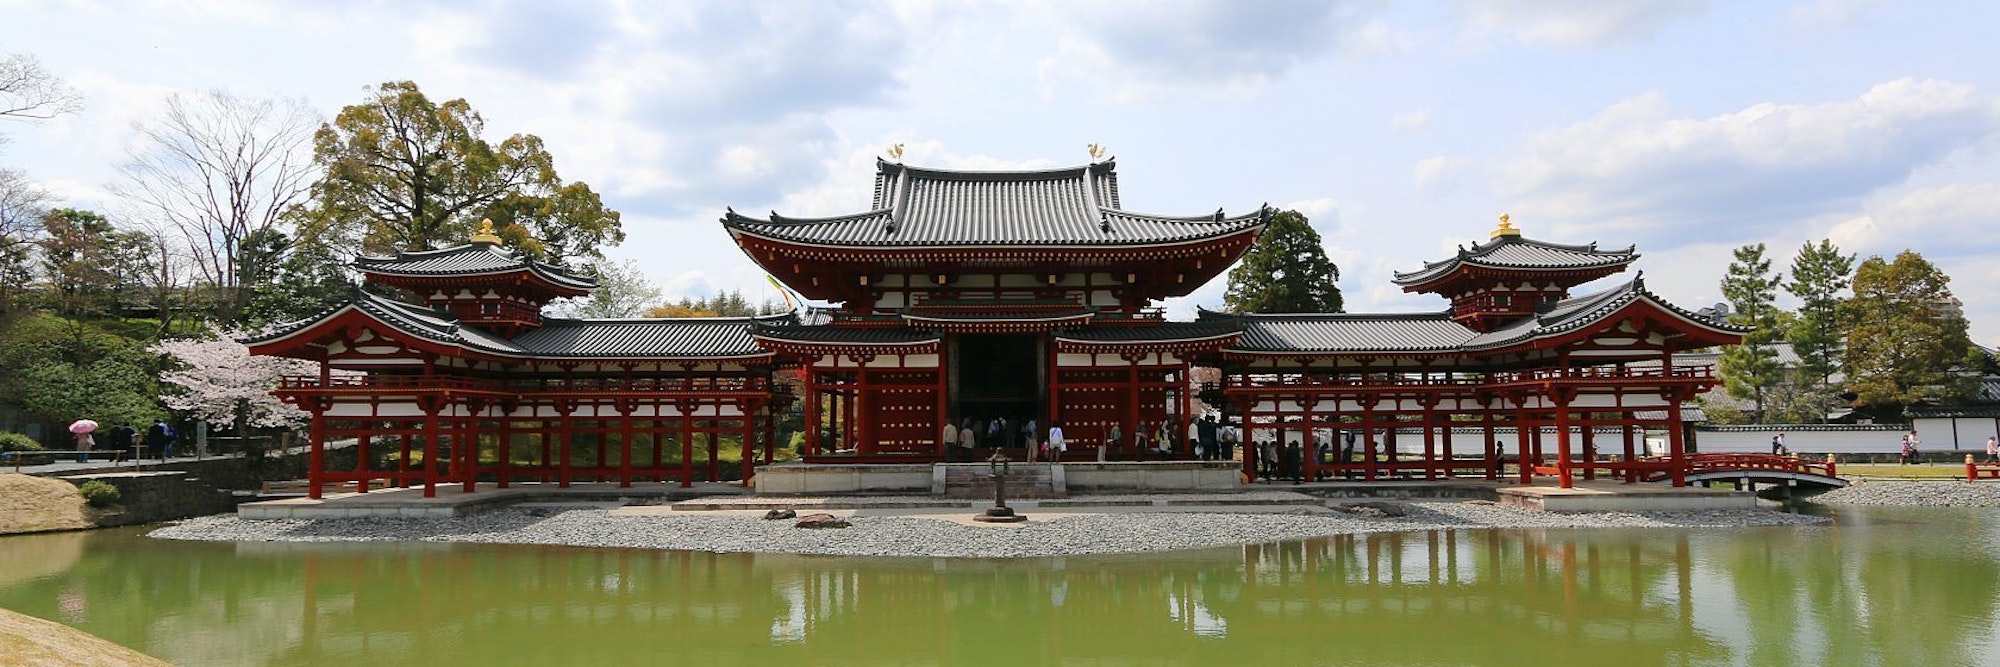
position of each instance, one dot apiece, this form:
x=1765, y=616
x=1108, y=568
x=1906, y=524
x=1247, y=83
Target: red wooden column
x=1521, y=434
x=1487, y=442
x=431, y=433
x=1430, y=435
x=770, y=432
x=1562, y=398
x=1131, y=411
x=316, y=442
x=361, y=463
x=506, y=453
x=749, y=442
x=712, y=438
x=814, y=423
x=1055, y=387
x=1589, y=455
x=1309, y=452
x=687, y=444
x=1631, y=473
x=943, y=401
x=1676, y=452
x=625, y=409
x=468, y=440
x=564, y=408
x=1367, y=433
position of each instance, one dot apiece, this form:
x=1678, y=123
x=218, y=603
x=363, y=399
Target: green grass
x=1893, y=471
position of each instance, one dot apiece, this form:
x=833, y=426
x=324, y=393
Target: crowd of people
x=1203, y=439
x=155, y=441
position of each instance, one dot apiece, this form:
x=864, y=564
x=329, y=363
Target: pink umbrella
x=83, y=426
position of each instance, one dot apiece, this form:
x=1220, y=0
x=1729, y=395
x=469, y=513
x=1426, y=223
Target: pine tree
x=1285, y=271
x=1748, y=369
x=1819, y=274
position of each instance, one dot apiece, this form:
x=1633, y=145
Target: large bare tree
x=22, y=205
x=221, y=170
x=28, y=92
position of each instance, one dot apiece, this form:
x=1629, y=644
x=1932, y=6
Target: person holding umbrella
x=82, y=428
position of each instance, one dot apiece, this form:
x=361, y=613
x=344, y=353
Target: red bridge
x=1756, y=467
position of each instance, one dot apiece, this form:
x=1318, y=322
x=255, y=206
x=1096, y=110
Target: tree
x=1819, y=274
x=23, y=204
x=220, y=170
x=622, y=291
x=28, y=92
x=89, y=265
x=415, y=175
x=218, y=381
x=1907, y=339
x=1748, y=369
x=292, y=280
x=62, y=369
x=1285, y=271
x=723, y=304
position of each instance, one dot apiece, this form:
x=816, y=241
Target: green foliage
x=405, y=173
x=1748, y=369
x=292, y=281
x=88, y=264
x=1819, y=274
x=99, y=494
x=1907, y=341
x=15, y=442
x=61, y=369
x=1285, y=271
x=723, y=304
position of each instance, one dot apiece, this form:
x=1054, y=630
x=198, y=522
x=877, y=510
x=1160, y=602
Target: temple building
x=459, y=379
x=996, y=300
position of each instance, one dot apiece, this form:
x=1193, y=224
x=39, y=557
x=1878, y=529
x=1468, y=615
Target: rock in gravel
x=821, y=521
x=777, y=514
x=1371, y=508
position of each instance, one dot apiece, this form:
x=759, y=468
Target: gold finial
x=896, y=153
x=1506, y=227
x=486, y=234
x=1097, y=152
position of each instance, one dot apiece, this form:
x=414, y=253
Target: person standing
x=1057, y=445
x=161, y=437
x=1205, y=433
x=1992, y=449
x=948, y=441
x=83, y=445
x=1112, y=439
x=1909, y=453
x=968, y=438
x=1778, y=445
x=122, y=439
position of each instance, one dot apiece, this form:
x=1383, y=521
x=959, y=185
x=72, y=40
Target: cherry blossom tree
x=220, y=382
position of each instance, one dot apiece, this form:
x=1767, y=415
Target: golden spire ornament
x=485, y=234
x=1506, y=227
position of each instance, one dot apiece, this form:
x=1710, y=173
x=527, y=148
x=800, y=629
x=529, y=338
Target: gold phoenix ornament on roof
x=1097, y=152
x=896, y=152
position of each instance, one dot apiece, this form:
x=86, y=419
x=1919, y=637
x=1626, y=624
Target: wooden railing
x=376, y=383
x=1975, y=471
x=1701, y=463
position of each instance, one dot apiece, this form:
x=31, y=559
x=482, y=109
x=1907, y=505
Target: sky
x=1402, y=129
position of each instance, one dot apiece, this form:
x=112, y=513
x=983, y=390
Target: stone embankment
x=1075, y=533
x=1941, y=493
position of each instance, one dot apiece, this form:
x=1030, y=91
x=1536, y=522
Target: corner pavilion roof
x=1511, y=252
x=1438, y=332
x=918, y=207
x=470, y=259
x=679, y=338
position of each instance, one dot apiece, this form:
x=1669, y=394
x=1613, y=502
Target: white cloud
x=1414, y=120
x=1637, y=167
x=1132, y=51
x=1440, y=175
x=1324, y=212
x=1573, y=23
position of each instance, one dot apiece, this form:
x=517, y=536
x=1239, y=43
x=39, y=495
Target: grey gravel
x=923, y=537
x=1914, y=494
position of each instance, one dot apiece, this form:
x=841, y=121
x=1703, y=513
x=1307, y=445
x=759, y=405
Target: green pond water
x=1884, y=586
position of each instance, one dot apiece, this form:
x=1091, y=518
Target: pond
x=1882, y=586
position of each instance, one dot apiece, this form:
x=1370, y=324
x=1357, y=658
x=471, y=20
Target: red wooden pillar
x=711, y=437
x=403, y=463
x=468, y=440
x=547, y=436
x=1589, y=456
x=814, y=420
x=1563, y=477
x=1676, y=454
x=316, y=442
x=687, y=445
x=1487, y=442
x=1310, y=452
x=1430, y=435
x=1131, y=412
x=1368, y=435
x=865, y=412
x=361, y=463
x=431, y=435
x=770, y=432
x=749, y=442
x=625, y=409
x=564, y=430
x=506, y=453
x=1521, y=427
x=943, y=401
x=1631, y=473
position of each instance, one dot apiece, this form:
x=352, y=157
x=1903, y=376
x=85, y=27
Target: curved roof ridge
x=942, y=174
x=733, y=319
x=1441, y=314
x=730, y=215
x=1211, y=219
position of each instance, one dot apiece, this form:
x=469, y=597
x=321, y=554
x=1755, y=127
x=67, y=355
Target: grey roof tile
x=847, y=335
x=933, y=207
x=653, y=338
x=1343, y=332
x=469, y=259
x=1163, y=331
x=1514, y=252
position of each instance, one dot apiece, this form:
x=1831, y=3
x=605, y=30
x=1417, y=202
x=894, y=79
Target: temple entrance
x=998, y=376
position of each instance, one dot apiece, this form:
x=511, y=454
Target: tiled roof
x=850, y=336
x=932, y=207
x=673, y=338
x=1342, y=332
x=995, y=315
x=469, y=259
x=1435, y=332
x=1164, y=331
x=684, y=338
x=1515, y=252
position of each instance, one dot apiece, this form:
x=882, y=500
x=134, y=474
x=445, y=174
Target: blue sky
x=1403, y=129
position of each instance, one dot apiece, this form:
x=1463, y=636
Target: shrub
x=99, y=494
x=15, y=442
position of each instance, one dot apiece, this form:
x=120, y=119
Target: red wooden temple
x=468, y=382
x=996, y=299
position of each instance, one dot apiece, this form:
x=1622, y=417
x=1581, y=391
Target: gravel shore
x=1121, y=532
x=1941, y=493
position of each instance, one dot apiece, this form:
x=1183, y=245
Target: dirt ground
x=31, y=504
x=32, y=642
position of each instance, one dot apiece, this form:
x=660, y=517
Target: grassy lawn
x=1893, y=471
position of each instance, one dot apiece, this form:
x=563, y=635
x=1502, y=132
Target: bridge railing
x=1733, y=462
x=1975, y=471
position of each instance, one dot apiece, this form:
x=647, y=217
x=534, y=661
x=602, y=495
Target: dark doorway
x=995, y=376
